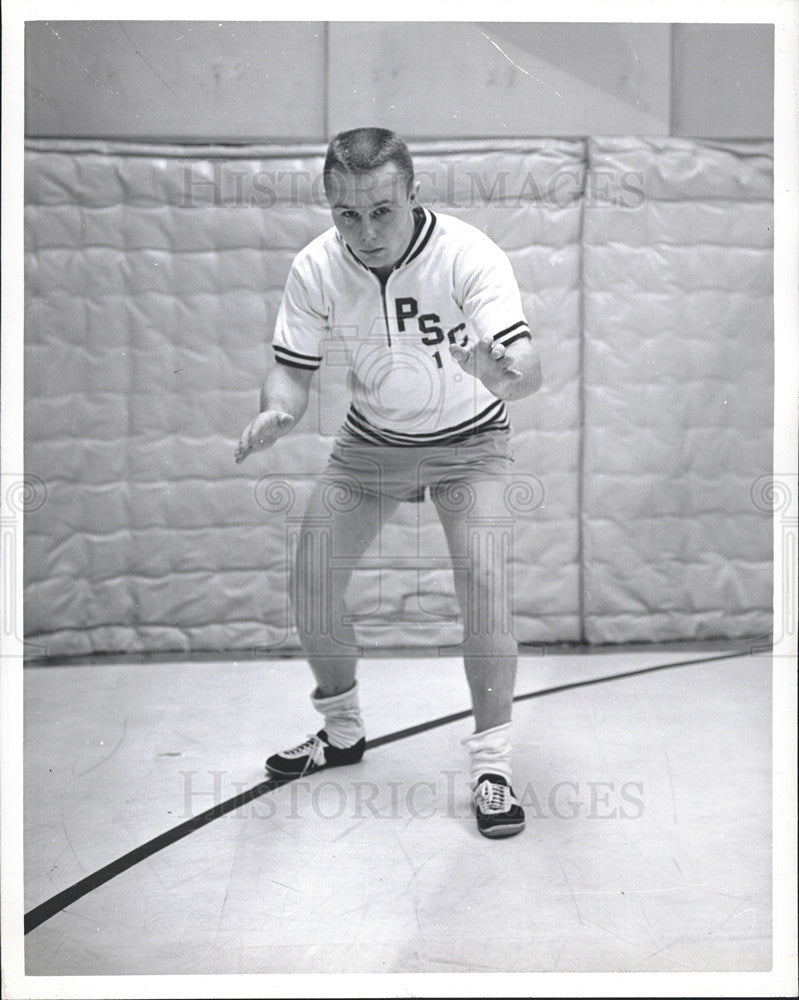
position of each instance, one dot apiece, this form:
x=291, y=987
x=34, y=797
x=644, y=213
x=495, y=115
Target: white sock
x=490, y=752
x=342, y=715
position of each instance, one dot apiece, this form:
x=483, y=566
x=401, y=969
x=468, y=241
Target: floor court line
x=61, y=900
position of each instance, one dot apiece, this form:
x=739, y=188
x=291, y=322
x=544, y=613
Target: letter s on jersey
x=434, y=333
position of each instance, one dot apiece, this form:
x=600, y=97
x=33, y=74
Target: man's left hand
x=489, y=362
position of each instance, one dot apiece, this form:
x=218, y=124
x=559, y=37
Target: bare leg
x=479, y=532
x=339, y=525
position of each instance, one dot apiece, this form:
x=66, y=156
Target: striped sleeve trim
x=493, y=417
x=518, y=331
x=525, y=335
x=310, y=362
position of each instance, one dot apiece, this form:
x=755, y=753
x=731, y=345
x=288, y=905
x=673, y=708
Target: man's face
x=373, y=212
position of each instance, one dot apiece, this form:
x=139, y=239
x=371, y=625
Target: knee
x=318, y=584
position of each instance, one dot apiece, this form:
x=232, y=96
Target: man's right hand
x=262, y=432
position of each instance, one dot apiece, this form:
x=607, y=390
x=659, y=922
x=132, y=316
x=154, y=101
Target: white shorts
x=403, y=473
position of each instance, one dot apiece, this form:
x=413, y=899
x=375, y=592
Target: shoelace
x=313, y=748
x=493, y=798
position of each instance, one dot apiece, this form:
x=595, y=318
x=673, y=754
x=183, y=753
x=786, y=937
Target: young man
x=431, y=317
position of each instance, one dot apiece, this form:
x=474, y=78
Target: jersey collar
x=424, y=224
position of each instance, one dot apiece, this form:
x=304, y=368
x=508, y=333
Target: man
x=431, y=316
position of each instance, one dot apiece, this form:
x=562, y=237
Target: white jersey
x=452, y=285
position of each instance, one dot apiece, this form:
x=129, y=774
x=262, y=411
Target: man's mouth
x=371, y=253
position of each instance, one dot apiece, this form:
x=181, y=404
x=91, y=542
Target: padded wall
x=154, y=276
x=678, y=374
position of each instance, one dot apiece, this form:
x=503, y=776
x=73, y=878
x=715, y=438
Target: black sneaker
x=496, y=807
x=313, y=755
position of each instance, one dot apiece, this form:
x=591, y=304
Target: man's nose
x=368, y=231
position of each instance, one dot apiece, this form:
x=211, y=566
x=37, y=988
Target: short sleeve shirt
x=453, y=285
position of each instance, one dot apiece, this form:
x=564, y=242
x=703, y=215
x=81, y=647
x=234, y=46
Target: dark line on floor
x=66, y=897
x=39, y=914
x=423, y=727
x=631, y=673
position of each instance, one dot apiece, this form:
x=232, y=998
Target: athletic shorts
x=404, y=472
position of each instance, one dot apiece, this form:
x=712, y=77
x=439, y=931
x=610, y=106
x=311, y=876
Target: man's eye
x=382, y=211
x=349, y=216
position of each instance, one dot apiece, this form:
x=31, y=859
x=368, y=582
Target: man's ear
x=413, y=194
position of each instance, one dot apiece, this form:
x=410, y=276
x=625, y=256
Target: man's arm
x=284, y=399
x=511, y=373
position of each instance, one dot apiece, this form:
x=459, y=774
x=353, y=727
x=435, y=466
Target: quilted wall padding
x=150, y=292
x=153, y=280
x=678, y=389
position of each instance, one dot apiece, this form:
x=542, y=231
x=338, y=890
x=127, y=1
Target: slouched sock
x=490, y=752
x=342, y=715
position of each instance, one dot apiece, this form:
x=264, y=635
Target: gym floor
x=153, y=844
